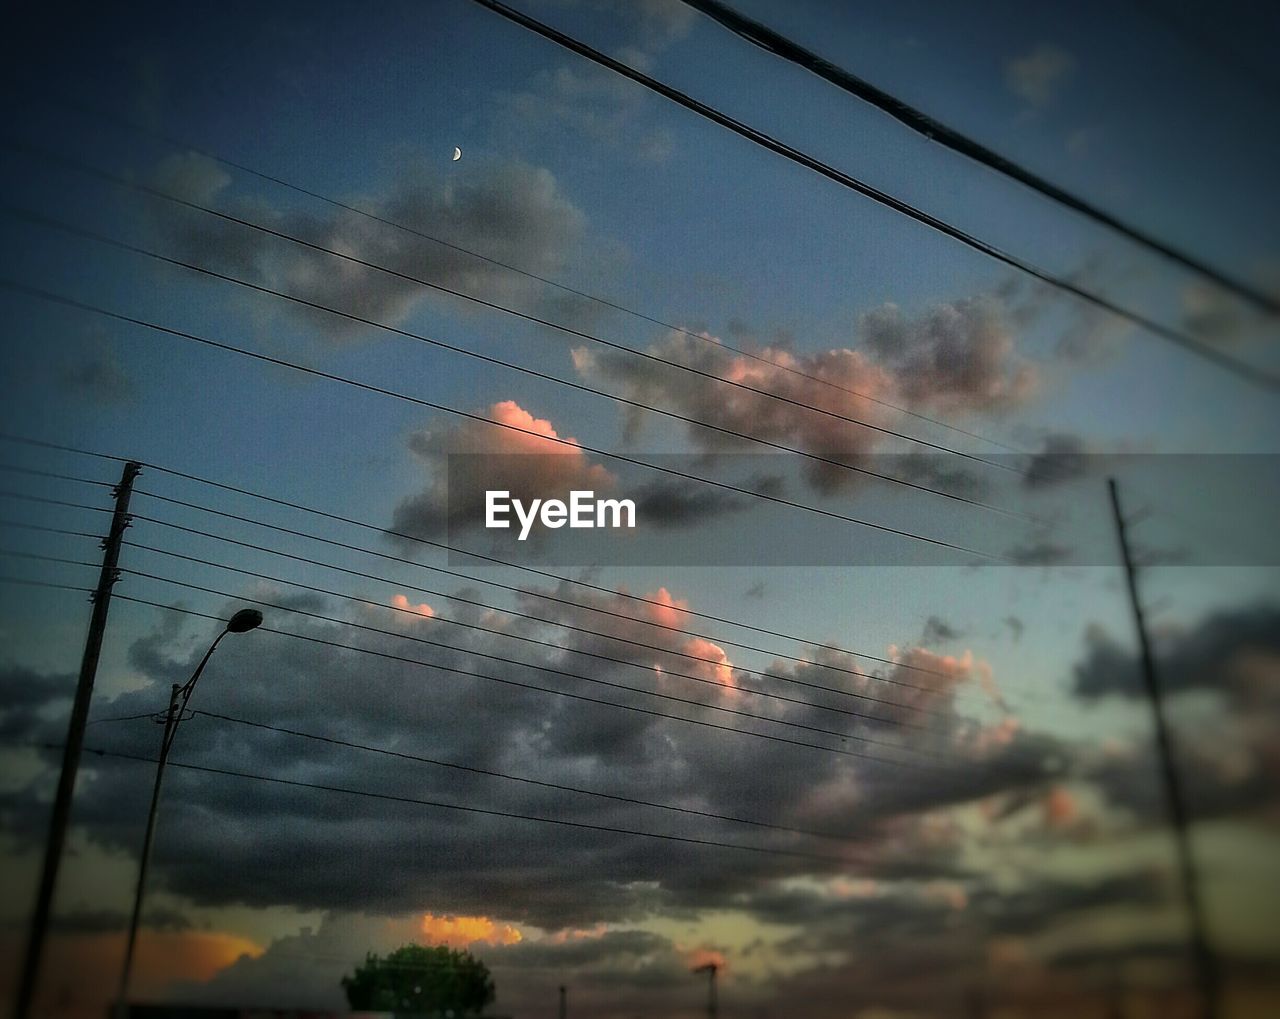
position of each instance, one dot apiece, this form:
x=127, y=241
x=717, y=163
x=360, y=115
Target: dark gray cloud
x=1061, y=458
x=103, y=921
x=26, y=695
x=96, y=375
x=665, y=504
x=1229, y=651
x=1226, y=761
x=1039, y=552
x=937, y=631
x=226, y=840
x=959, y=356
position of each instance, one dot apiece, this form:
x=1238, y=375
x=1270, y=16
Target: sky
x=921, y=635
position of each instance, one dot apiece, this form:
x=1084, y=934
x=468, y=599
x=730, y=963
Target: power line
x=1248, y=372
x=28, y=582
x=418, y=801
x=141, y=188
x=445, y=547
x=44, y=500
x=418, y=589
x=595, y=681
x=921, y=123
x=36, y=473
x=521, y=591
x=69, y=302
x=844, y=736
x=535, y=373
x=569, y=695
x=401, y=755
x=48, y=96
x=495, y=608
x=22, y=524
x=534, y=640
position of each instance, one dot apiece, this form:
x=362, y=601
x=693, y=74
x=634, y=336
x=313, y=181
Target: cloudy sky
x=859, y=699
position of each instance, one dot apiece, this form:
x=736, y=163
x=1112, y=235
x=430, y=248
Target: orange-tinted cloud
x=947, y=892
x=81, y=970
x=529, y=458
x=461, y=931
x=1060, y=807
x=569, y=935
x=715, y=665
x=399, y=601
x=697, y=957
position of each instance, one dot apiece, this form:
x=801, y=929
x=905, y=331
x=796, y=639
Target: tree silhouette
x=414, y=978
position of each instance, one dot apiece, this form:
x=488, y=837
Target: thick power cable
x=1248, y=372
x=935, y=131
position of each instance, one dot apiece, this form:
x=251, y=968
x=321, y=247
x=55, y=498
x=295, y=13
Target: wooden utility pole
x=61, y=813
x=1206, y=964
x=564, y=1002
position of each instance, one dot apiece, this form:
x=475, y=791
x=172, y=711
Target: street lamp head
x=244, y=621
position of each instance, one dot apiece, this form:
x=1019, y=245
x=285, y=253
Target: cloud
x=1061, y=457
x=463, y=931
x=594, y=103
x=97, y=376
x=523, y=458
x=1229, y=652
x=1227, y=759
x=938, y=630
x=959, y=357
x=512, y=212
x=664, y=503
x=402, y=602
x=230, y=841
x=1037, y=76
x=27, y=694
x=1039, y=552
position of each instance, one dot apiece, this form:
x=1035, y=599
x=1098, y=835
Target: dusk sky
x=943, y=793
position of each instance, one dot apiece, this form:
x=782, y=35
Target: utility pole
x=61, y=813
x=1206, y=964
x=564, y=1002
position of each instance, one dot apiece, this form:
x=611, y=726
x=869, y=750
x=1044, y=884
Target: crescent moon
x=457, y=153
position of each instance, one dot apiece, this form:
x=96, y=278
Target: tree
x=414, y=978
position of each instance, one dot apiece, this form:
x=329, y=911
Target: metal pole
x=178, y=697
x=170, y=725
x=564, y=1003
x=1206, y=964
x=61, y=813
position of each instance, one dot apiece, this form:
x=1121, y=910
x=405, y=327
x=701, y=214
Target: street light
x=242, y=622
x=710, y=968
